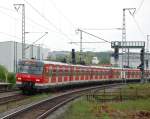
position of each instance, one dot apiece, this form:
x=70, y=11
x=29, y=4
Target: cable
x=9, y=35
x=29, y=19
x=60, y=12
x=94, y=36
x=102, y=29
x=36, y=10
x=8, y=15
x=139, y=28
x=140, y=6
x=7, y=9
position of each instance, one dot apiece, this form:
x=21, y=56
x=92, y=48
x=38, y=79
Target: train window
x=74, y=72
x=57, y=70
x=97, y=72
x=68, y=73
x=46, y=71
x=77, y=71
x=64, y=71
x=54, y=71
x=100, y=72
x=30, y=69
x=50, y=72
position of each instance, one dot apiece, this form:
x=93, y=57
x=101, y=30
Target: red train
x=35, y=74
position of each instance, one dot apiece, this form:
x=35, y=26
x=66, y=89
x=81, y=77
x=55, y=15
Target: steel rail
x=12, y=98
x=39, y=111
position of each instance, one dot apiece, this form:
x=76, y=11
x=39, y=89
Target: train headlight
x=37, y=80
x=19, y=78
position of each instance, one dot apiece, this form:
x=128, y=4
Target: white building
x=134, y=60
x=95, y=60
x=11, y=52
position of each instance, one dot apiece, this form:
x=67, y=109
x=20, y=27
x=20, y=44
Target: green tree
x=3, y=74
x=11, y=78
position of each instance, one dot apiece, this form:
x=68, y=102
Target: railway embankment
x=129, y=102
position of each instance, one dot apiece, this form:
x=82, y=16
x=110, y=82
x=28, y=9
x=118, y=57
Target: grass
x=83, y=109
x=141, y=104
x=80, y=110
x=128, y=109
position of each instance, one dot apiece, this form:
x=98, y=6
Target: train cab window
x=30, y=67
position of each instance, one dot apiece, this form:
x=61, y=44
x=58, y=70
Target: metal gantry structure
x=124, y=49
x=81, y=40
x=24, y=48
x=131, y=45
x=17, y=7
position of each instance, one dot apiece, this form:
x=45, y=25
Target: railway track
x=12, y=98
x=5, y=91
x=44, y=108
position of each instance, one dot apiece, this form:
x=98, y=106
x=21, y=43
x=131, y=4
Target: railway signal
x=116, y=53
x=73, y=57
x=142, y=59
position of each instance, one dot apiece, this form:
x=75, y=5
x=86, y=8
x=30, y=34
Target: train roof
x=65, y=64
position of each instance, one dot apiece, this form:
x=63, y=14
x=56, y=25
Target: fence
x=119, y=95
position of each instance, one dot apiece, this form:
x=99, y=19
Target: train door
x=59, y=73
x=77, y=74
x=46, y=73
x=66, y=74
x=86, y=73
x=110, y=74
x=63, y=73
x=74, y=73
x=50, y=73
x=89, y=73
x=123, y=74
x=71, y=73
x=99, y=72
x=53, y=79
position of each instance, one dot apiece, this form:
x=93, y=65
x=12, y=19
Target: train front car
x=30, y=74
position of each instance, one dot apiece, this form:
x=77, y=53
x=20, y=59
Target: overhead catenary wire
x=140, y=6
x=139, y=28
x=8, y=15
x=29, y=19
x=46, y=19
x=60, y=12
x=5, y=8
x=13, y=36
x=65, y=17
x=97, y=29
x=94, y=36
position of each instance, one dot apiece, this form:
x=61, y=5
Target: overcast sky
x=61, y=18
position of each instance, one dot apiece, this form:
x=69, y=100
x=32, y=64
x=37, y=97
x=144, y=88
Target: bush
x=3, y=73
x=11, y=78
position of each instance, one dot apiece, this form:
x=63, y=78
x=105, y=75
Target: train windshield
x=30, y=67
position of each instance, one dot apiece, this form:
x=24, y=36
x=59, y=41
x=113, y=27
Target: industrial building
x=132, y=59
x=11, y=53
